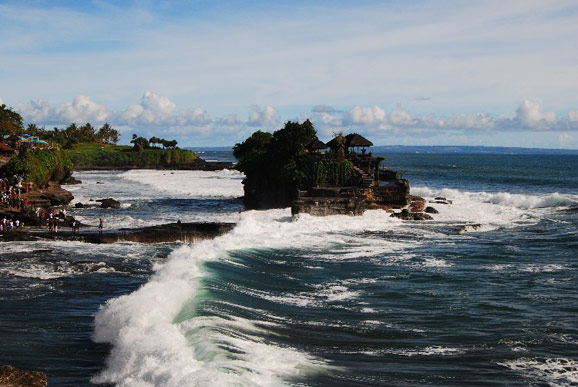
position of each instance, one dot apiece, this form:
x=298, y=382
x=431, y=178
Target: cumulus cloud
x=401, y=117
x=531, y=115
x=366, y=115
x=467, y=121
x=266, y=117
x=35, y=111
x=153, y=110
x=81, y=110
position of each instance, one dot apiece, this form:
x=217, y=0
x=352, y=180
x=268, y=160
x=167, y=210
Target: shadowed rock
x=406, y=215
x=109, y=203
x=172, y=232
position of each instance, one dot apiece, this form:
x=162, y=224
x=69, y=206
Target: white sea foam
x=553, y=371
x=520, y=201
x=157, y=339
x=427, y=351
x=220, y=184
x=151, y=348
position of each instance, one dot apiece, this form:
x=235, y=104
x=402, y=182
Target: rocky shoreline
x=197, y=165
x=165, y=233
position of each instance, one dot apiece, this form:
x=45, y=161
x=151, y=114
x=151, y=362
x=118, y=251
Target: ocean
x=485, y=294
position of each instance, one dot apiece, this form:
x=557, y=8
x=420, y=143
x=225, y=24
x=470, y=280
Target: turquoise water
x=483, y=295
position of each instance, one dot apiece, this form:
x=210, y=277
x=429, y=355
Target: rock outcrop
x=406, y=215
x=172, y=232
x=109, y=203
x=52, y=195
x=13, y=377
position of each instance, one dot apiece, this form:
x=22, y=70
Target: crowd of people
x=13, y=200
x=12, y=189
x=15, y=208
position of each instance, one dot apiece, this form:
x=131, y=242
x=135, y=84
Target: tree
x=155, y=140
x=10, y=121
x=140, y=143
x=252, y=151
x=108, y=134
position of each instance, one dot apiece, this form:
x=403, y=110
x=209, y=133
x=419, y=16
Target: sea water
x=483, y=294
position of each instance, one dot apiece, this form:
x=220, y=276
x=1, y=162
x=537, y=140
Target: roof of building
x=316, y=144
x=355, y=140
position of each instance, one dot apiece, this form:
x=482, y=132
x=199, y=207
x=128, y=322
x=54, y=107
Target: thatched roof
x=355, y=140
x=316, y=145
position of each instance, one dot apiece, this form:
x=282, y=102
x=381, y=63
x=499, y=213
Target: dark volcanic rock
x=431, y=210
x=109, y=203
x=406, y=215
x=172, y=232
x=13, y=377
x=79, y=205
x=52, y=195
x=440, y=200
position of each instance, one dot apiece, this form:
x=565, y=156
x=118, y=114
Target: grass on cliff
x=37, y=165
x=88, y=155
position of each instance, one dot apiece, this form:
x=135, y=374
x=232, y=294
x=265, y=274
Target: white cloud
x=400, y=117
x=531, y=115
x=36, y=112
x=153, y=110
x=266, y=117
x=573, y=115
x=468, y=121
x=366, y=115
x=195, y=116
x=81, y=110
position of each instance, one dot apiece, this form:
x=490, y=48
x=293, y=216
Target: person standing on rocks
x=100, y=224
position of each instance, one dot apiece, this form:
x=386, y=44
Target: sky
x=210, y=73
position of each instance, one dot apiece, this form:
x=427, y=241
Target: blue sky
x=210, y=73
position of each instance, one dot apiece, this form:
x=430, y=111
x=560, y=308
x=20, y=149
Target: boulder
x=13, y=377
x=109, y=203
x=416, y=204
x=441, y=200
x=79, y=205
x=52, y=195
x=406, y=215
x=431, y=210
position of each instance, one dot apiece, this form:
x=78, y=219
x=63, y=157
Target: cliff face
x=352, y=200
x=262, y=193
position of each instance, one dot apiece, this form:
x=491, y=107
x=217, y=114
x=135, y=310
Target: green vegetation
x=38, y=165
x=73, y=134
x=91, y=155
x=83, y=146
x=279, y=165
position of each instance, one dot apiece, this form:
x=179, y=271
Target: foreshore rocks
x=405, y=214
x=109, y=203
x=166, y=233
x=52, y=195
x=13, y=377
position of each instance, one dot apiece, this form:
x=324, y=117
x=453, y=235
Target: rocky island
x=293, y=168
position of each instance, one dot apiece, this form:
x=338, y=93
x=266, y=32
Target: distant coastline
x=439, y=149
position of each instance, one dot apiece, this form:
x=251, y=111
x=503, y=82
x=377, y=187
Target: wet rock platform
x=165, y=233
